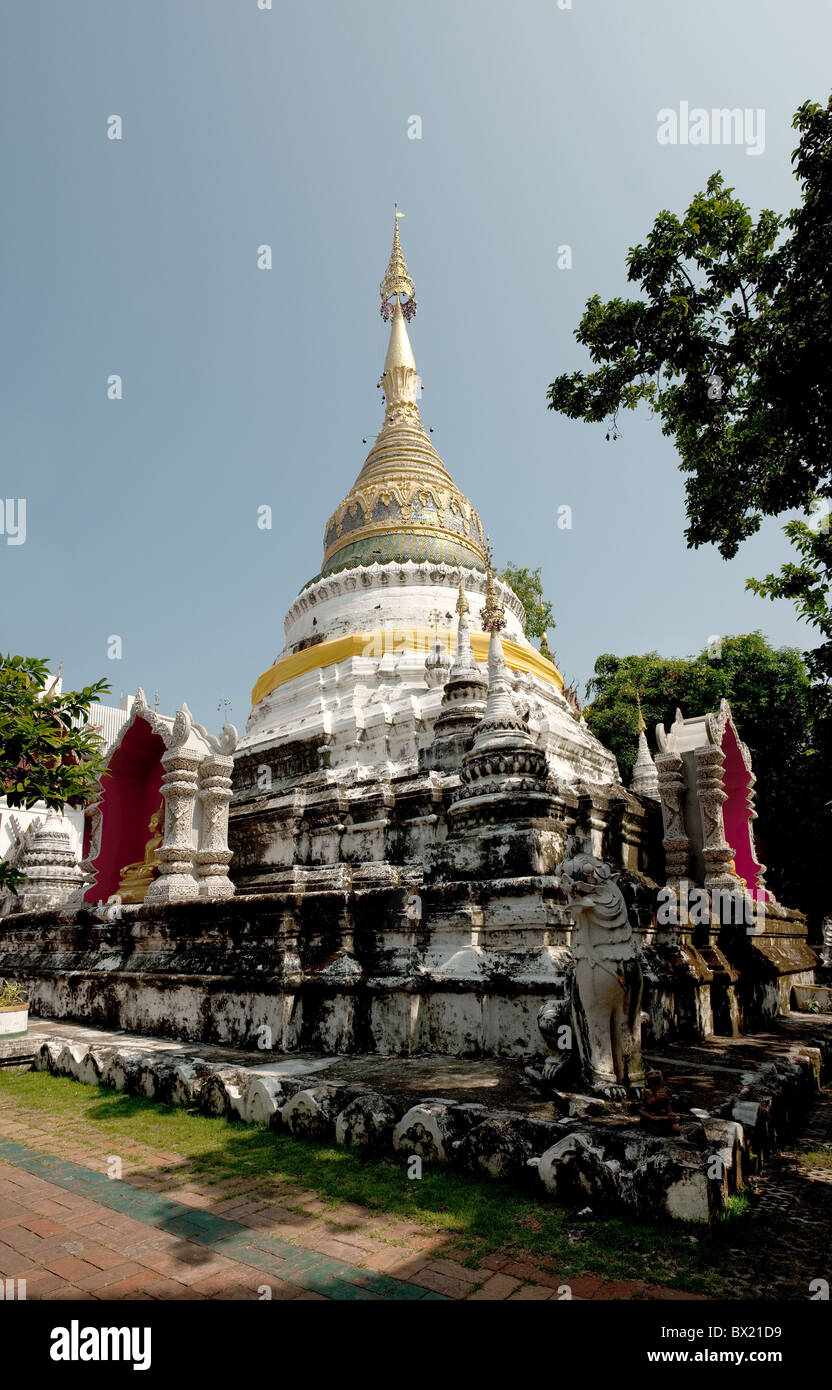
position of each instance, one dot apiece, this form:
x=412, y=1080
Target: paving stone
x=41, y=1226
x=453, y=1270
x=494, y=1261
x=103, y=1258
x=441, y=1283
x=70, y=1268
x=326, y=1272
x=499, y=1286
x=167, y=1289
x=522, y=1269
x=387, y=1259
x=41, y=1284
x=583, y=1285
x=22, y=1240
x=128, y=1285
x=11, y=1261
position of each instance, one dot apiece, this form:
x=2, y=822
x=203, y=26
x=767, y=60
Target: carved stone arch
x=135, y=817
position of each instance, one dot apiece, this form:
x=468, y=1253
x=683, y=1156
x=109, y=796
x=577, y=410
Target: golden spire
x=493, y=612
x=404, y=504
x=399, y=351
x=642, y=727
x=396, y=280
x=462, y=604
x=399, y=379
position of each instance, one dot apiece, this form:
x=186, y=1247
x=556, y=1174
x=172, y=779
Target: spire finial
x=397, y=281
x=399, y=378
x=462, y=604
x=493, y=613
x=642, y=727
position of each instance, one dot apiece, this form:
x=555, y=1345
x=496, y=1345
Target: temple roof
x=404, y=504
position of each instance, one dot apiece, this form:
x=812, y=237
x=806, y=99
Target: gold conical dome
x=404, y=504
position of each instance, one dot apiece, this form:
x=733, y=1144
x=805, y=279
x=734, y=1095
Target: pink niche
x=131, y=794
x=736, y=815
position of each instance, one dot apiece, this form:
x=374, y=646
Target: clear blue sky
x=242, y=387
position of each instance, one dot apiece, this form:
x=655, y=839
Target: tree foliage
x=806, y=584
x=730, y=346
x=783, y=716
x=528, y=586
x=49, y=751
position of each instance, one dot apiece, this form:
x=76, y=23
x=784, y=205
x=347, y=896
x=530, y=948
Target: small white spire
x=645, y=778
x=464, y=662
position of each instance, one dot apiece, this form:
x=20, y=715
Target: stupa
x=427, y=838
x=353, y=698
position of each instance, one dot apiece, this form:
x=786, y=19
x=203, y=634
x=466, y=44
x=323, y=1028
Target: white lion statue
x=606, y=999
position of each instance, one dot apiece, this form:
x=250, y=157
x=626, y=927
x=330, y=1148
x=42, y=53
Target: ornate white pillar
x=676, y=842
x=213, y=855
x=716, y=852
x=175, y=856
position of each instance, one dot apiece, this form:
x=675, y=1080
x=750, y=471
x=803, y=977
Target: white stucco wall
x=393, y=596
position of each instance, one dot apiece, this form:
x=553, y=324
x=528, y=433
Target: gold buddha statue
x=136, y=878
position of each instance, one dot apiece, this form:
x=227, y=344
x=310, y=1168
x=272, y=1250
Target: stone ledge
x=17, y=1052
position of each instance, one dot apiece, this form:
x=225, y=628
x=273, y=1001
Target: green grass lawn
x=478, y=1217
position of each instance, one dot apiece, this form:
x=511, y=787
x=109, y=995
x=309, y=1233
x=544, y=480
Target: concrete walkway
x=698, y=1074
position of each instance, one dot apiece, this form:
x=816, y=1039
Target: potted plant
x=14, y=1010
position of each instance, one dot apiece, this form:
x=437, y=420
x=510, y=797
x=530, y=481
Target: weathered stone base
x=460, y=968
x=439, y=1019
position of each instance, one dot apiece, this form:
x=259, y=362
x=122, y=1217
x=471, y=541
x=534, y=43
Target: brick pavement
x=71, y=1232
x=165, y=1230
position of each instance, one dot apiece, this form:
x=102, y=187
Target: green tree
x=48, y=749
x=528, y=586
x=783, y=716
x=663, y=684
x=806, y=584
x=730, y=346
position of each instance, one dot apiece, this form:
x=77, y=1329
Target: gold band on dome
x=396, y=641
